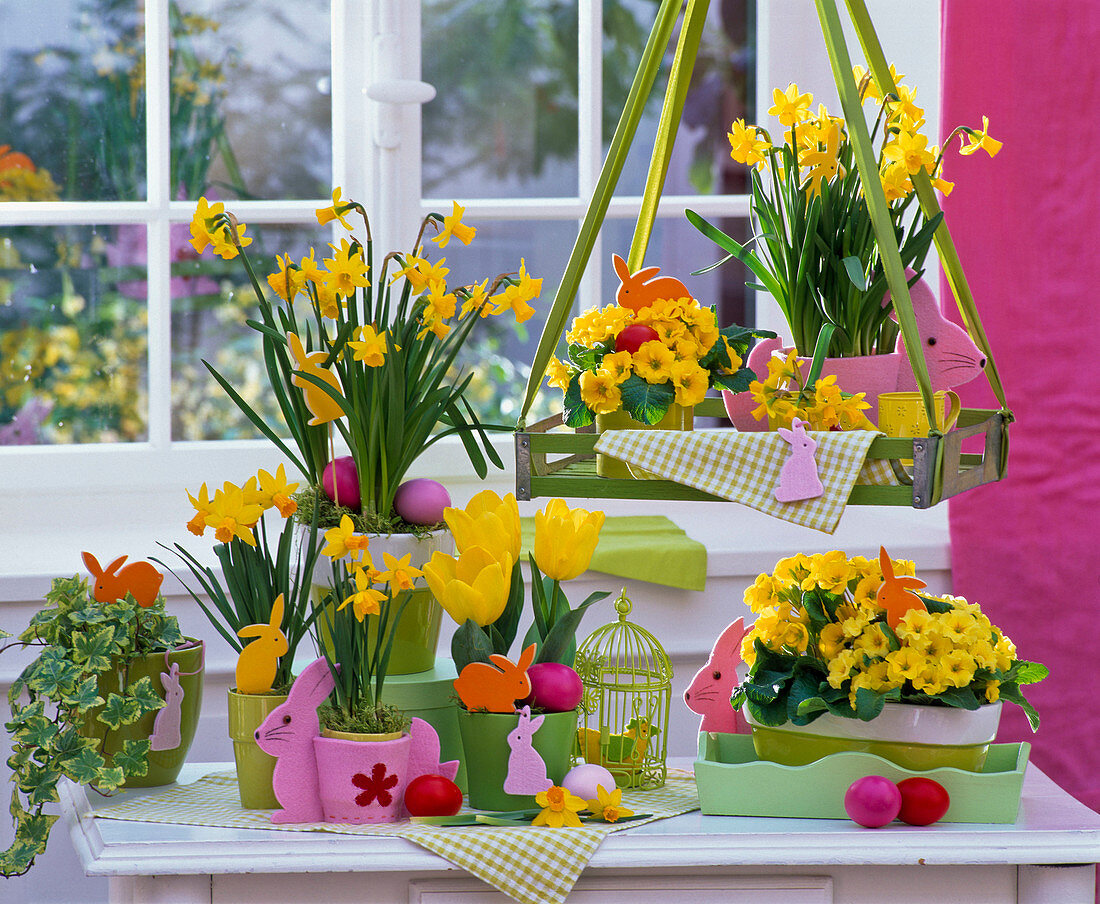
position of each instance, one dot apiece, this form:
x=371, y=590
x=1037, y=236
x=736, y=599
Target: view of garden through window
x=249, y=118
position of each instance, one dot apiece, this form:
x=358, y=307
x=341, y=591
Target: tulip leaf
x=508, y=622
x=560, y=644
x=470, y=644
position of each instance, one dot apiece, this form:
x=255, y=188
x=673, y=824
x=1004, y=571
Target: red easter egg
x=346, y=481
x=555, y=687
x=923, y=801
x=432, y=795
x=421, y=501
x=872, y=801
x=631, y=338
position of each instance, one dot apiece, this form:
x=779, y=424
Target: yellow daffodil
x=209, y=230
x=369, y=347
x=979, y=140
x=560, y=808
x=600, y=392
x=343, y=541
x=823, y=162
x=516, y=298
x=441, y=304
x=231, y=516
x=608, y=806
x=477, y=300
x=487, y=521
x=288, y=282
x=453, y=226
x=565, y=539
x=197, y=525
x=399, y=574
x=336, y=211
x=745, y=147
x=366, y=600
x=311, y=270
x=473, y=586
x=329, y=302
x=346, y=269
x=790, y=107
x=909, y=149
x=276, y=491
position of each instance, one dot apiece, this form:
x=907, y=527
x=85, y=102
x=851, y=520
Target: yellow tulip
x=487, y=521
x=475, y=585
x=565, y=539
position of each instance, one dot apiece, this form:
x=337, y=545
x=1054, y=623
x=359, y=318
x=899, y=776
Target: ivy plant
x=58, y=694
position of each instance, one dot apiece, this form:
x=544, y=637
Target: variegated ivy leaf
x=111, y=779
x=20, y=756
x=39, y=783
x=54, y=677
x=93, y=649
x=133, y=758
x=88, y=616
x=34, y=828
x=83, y=767
x=144, y=696
x=4, y=633
x=118, y=711
x=18, y=858
x=16, y=805
x=38, y=731
x=85, y=695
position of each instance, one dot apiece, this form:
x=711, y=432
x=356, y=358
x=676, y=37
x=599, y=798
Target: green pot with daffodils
x=846, y=654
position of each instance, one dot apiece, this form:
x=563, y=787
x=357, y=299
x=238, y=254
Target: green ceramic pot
x=417, y=634
x=164, y=765
x=485, y=754
x=254, y=767
x=676, y=418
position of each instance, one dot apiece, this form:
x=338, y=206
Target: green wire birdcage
x=627, y=697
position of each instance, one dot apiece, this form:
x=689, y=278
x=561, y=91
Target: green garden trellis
x=940, y=467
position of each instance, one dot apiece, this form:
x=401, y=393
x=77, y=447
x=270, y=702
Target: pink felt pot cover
x=362, y=781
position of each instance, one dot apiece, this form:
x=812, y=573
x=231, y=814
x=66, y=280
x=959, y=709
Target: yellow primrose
x=565, y=539
x=453, y=226
x=653, y=361
x=370, y=347
x=560, y=808
x=366, y=600
x=275, y=491
x=473, y=586
x=558, y=374
x=487, y=521
x=691, y=383
x=600, y=392
x=336, y=211
x=618, y=365
x=343, y=541
x=608, y=806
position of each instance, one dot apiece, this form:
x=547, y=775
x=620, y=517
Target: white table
x=1046, y=857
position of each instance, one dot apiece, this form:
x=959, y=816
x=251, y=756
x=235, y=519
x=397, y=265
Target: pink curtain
x=1025, y=223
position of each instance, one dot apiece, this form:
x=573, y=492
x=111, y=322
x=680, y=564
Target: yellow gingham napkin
x=529, y=864
x=744, y=467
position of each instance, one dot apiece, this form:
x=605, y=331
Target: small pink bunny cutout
x=798, y=477
x=526, y=768
x=711, y=688
x=166, y=726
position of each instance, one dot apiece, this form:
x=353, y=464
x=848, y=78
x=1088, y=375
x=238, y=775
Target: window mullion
x=158, y=190
x=590, y=127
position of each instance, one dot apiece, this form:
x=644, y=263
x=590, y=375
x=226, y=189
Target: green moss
x=329, y=515
x=376, y=720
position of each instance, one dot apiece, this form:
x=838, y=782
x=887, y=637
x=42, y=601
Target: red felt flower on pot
x=376, y=785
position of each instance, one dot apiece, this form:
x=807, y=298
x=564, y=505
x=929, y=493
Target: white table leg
x=161, y=890
x=1068, y=884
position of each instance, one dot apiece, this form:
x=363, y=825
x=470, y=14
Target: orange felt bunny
x=639, y=290
x=896, y=593
x=140, y=579
x=496, y=689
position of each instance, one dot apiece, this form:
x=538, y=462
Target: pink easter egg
x=421, y=501
x=346, y=481
x=555, y=687
x=872, y=801
x=583, y=779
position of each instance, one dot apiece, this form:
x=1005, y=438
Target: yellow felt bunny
x=258, y=660
x=321, y=405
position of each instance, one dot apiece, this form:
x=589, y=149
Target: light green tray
x=733, y=782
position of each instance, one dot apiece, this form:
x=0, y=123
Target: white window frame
x=376, y=157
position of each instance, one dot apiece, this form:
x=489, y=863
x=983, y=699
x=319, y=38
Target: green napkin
x=644, y=548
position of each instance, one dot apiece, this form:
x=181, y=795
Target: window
x=136, y=107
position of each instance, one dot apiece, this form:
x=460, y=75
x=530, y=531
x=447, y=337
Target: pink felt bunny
x=166, y=726
x=424, y=756
x=798, y=477
x=951, y=355
x=526, y=768
x=287, y=734
x=711, y=688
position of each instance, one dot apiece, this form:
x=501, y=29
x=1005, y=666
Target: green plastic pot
x=485, y=754
x=254, y=767
x=164, y=765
